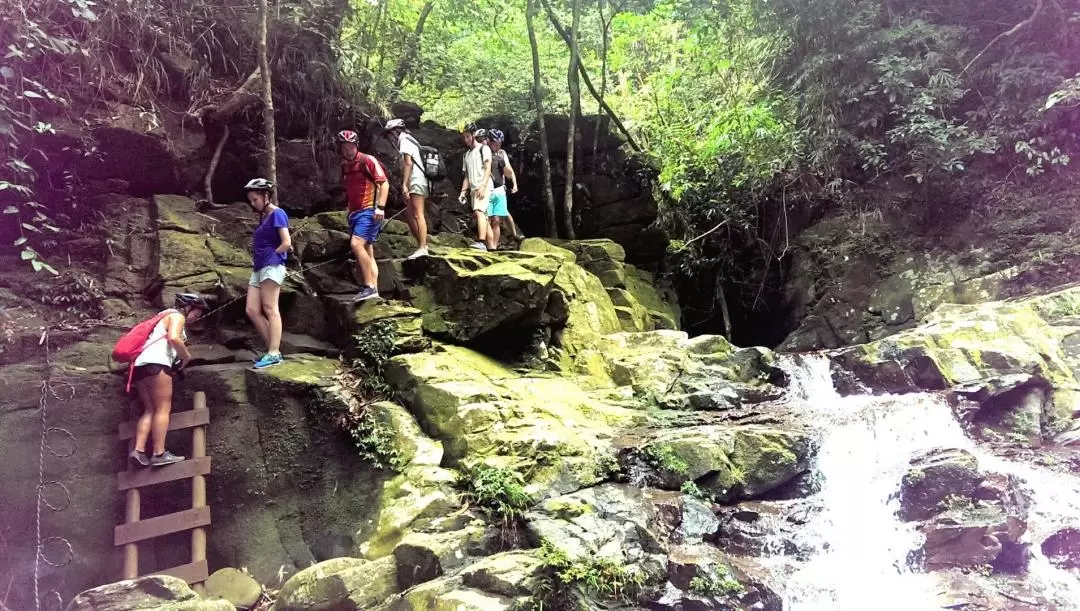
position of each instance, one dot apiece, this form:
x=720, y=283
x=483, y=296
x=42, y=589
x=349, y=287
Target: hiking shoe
x=258, y=358
x=165, y=458
x=139, y=458
x=420, y=252
x=478, y=246
x=268, y=360
x=366, y=293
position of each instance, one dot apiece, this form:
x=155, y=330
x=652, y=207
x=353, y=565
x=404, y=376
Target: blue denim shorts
x=363, y=225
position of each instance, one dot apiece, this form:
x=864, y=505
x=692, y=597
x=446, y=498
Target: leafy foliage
x=664, y=457
x=347, y=402
x=719, y=585
x=596, y=576
x=40, y=41
x=498, y=491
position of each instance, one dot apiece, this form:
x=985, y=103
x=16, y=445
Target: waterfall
x=856, y=549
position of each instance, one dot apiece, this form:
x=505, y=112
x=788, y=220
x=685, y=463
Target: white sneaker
x=420, y=252
x=478, y=246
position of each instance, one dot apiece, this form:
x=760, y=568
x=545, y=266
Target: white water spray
x=859, y=548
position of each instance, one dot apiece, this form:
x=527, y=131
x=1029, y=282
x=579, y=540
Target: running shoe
x=366, y=293
x=420, y=252
x=268, y=360
x=478, y=246
x=165, y=458
x=139, y=458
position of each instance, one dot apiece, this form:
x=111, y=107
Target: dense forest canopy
x=752, y=106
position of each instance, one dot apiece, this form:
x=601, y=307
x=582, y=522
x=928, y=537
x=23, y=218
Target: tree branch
x=1016, y=29
x=588, y=82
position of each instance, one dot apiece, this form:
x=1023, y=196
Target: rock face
x=341, y=583
x=157, y=592
x=1013, y=359
x=481, y=409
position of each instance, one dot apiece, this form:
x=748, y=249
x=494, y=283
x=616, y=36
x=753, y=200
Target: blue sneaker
x=366, y=293
x=268, y=360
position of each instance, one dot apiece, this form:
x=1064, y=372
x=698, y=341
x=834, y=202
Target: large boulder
x=482, y=410
x=672, y=371
x=730, y=463
x=157, y=592
x=984, y=352
x=631, y=527
x=340, y=583
x=470, y=296
x=934, y=480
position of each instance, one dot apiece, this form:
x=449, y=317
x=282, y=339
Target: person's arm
x=174, y=334
x=407, y=164
x=487, y=173
x=508, y=171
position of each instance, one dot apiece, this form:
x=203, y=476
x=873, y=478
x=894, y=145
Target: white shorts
x=270, y=272
x=418, y=183
x=478, y=204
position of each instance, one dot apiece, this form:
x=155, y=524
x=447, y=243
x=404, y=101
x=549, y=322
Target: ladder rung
x=126, y=480
x=161, y=525
x=196, y=572
x=177, y=421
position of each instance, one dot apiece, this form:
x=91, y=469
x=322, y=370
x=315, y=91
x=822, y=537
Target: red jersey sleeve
x=375, y=168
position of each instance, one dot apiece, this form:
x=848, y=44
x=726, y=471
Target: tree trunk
x=589, y=85
x=411, y=49
x=268, y=99
x=605, y=24
x=571, y=131
x=538, y=98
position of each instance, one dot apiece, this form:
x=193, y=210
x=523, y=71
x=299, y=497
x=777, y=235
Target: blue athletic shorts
x=497, y=203
x=363, y=225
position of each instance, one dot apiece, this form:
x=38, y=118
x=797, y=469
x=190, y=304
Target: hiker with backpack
x=501, y=170
x=156, y=350
x=415, y=184
x=366, y=189
x=270, y=247
x=477, y=186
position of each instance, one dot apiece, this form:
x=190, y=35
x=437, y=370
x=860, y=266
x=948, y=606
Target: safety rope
x=47, y=389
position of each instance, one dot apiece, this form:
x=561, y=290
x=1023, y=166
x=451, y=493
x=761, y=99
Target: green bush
x=599, y=577
x=497, y=491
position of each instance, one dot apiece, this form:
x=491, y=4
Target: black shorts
x=151, y=370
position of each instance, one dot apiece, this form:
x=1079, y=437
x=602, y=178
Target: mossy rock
x=227, y=254
x=733, y=463
x=235, y=586
x=158, y=592
x=176, y=213
x=341, y=583
x=544, y=246
x=417, y=494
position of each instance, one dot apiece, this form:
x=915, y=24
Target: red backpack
x=131, y=345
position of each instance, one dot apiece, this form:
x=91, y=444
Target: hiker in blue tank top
x=269, y=248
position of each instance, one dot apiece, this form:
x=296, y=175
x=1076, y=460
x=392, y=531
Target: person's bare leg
x=494, y=233
x=364, y=261
x=269, y=292
x=374, y=267
x=481, y=226
x=410, y=220
x=513, y=226
x=419, y=220
x=161, y=390
x=142, y=425
x=255, y=313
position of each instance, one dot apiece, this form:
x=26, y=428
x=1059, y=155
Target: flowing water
x=858, y=548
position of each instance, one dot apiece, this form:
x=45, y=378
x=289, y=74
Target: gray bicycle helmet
x=496, y=135
x=259, y=184
x=481, y=134
x=185, y=300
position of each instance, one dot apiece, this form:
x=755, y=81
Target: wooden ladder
x=196, y=519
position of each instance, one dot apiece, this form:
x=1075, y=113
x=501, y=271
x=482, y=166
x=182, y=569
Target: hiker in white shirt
x=477, y=185
x=415, y=185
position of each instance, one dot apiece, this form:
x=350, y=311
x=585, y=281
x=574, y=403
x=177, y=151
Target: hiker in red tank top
x=366, y=189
